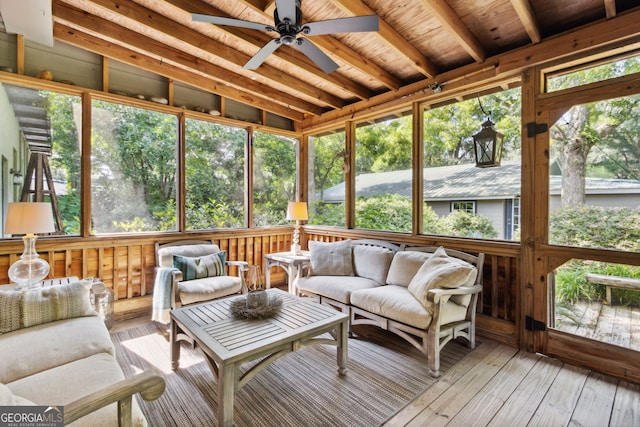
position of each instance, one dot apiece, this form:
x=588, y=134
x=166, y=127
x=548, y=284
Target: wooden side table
x=289, y=262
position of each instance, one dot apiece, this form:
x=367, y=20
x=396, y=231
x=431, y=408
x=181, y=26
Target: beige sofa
x=56, y=351
x=426, y=295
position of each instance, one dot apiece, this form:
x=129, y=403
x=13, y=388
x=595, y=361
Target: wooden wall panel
x=127, y=265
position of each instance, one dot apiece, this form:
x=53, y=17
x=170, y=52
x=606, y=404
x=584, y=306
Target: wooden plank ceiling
x=418, y=41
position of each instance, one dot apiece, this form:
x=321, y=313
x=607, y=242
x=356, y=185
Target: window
x=459, y=198
x=327, y=164
x=133, y=169
x=383, y=175
x=467, y=207
x=594, y=188
x=589, y=74
x=215, y=175
x=44, y=125
x=274, y=177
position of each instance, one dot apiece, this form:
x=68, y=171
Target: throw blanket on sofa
x=162, y=295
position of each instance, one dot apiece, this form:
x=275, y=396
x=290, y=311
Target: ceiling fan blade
x=262, y=54
x=321, y=59
x=219, y=20
x=342, y=25
x=287, y=9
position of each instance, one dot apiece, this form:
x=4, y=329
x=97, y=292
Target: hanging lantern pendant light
x=487, y=144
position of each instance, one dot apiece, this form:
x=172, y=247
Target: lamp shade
x=297, y=211
x=29, y=217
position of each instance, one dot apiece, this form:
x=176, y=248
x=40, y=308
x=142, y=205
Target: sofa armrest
x=440, y=294
x=149, y=384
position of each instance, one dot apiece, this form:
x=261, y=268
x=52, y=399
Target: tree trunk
x=574, y=158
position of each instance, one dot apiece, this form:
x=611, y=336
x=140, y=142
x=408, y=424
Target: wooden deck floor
x=497, y=385
x=613, y=324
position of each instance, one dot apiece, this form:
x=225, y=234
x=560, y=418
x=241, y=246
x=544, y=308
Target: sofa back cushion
x=372, y=262
x=440, y=271
x=200, y=267
x=404, y=266
x=21, y=309
x=331, y=258
x=165, y=254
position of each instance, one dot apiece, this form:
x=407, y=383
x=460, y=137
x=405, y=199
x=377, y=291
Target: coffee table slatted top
x=213, y=324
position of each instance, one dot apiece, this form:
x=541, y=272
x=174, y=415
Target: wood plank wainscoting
x=126, y=265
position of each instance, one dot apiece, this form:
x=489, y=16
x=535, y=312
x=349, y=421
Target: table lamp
x=297, y=211
x=29, y=218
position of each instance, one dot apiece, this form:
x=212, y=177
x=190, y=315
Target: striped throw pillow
x=22, y=309
x=201, y=267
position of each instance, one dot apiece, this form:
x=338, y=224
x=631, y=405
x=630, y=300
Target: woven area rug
x=299, y=389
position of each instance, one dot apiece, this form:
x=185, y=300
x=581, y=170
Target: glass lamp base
x=28, y=274
x=29, y=271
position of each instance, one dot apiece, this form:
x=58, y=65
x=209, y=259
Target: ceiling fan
x=288, y=24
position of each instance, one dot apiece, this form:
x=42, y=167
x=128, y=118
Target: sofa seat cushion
x=51, y=344
x=337, y=288
x=66, y=383
x=395, y=302
x=208, y=288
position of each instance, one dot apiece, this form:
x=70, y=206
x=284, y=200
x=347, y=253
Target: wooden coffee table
x=227, y=343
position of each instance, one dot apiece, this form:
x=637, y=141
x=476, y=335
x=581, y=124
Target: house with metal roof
x=492, y=192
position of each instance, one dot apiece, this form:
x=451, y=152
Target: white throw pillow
x=405, y=265
x=331, y=258
x=440, y=271
x=372, y=262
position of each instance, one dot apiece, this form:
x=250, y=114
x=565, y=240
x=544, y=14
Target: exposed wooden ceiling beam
x=350, y=56
x=138, y=15
x=258, y=40
x=610, y=8
x=527, y=17
x=392, y=38
x=109, y=49
x=456, y=27
x=600, y=35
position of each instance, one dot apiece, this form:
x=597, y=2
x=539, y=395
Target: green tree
x=274, y=177
x=448, y=129
x=609, y=127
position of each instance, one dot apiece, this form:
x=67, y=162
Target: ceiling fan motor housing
x=298, y=18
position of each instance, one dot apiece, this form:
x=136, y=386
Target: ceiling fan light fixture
x=288, y=24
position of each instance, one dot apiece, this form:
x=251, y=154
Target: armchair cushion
x=440, y=271
x=200, y=267
x=208, y=288
x=331, y=258
x=7, y=398
x=22, y=309
x=74, y=380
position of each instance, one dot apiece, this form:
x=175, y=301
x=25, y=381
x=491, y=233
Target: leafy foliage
x=595, y=226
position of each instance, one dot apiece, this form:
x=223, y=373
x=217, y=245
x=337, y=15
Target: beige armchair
x=207, y=282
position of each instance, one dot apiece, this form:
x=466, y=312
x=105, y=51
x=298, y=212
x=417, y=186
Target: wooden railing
x=126, y=264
